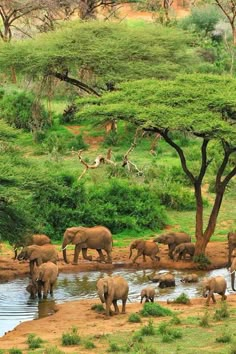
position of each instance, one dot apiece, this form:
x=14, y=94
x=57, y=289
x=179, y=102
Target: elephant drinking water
x=97, y=237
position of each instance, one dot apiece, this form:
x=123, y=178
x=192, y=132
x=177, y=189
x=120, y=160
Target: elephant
x=36, y=239
x=111, y=289
x=165, y=280
x=182, y=250
x=189, y=278
x=43, y=280
x=145, y=248
x=173, y=239
x=231, y=244
x=148, y=293
x=97, y=237
x=232, y=270
x=38, y=255
x=214, y=285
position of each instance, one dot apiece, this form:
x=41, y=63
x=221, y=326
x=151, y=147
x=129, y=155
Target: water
x=16, y=307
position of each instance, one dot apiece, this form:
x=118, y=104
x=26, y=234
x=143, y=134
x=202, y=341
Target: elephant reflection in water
x=46, y=308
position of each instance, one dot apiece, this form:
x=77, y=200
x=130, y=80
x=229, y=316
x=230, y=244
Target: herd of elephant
x=43, y=257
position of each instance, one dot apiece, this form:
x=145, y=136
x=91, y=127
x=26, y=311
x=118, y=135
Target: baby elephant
x=43, y=280
x=182, y=250
x=145, y=248
x=189, y=278
x=214, y=285
x=148, y=293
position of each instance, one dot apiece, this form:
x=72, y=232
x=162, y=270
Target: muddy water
x=16, y=307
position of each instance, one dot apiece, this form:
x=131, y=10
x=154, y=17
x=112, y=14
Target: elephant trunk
x=232, y=280
x=101, y=295
x=130, y=255
x=64, y=245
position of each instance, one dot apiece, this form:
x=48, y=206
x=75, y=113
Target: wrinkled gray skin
x=165, y=280
x=213, y=285
x=173, y=239
x=38, y=255
x=145, y=248
x=231, y=245
x=189, y=278
x=112, y=289
x=36, y=239
x=180, y=251
x=43, y=280
x=148, y=294
x=97, y=237
x=232, y=270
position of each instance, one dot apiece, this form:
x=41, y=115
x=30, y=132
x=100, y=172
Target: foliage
x=148, y=330
x=175, y=320
x=103, y=51
x=52, y=350
x=71, y=338
x=182, y=299
x=33, y=341
x=89, y=344
x=78, y=143
x=154, y=309
x=22, y=110
x=204, y=321
x=169, y=334
x=225, y=338
x=221, y=313
x=134, y=318
x=98, y=308
x=202, y=19
x=202, y=261
x=15, y=351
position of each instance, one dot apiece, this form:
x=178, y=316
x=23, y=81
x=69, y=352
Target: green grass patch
x=134, y=318
x=34, y=341
x=156, y=310
x=71, y=338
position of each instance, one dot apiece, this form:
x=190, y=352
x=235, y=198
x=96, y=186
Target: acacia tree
x=201, y=106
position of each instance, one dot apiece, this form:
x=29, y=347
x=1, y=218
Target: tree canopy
x=201, y=106
x=98, y=53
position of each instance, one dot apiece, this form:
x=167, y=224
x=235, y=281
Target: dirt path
x=79, y=313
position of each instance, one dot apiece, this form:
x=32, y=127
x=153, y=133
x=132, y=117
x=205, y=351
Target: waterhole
x=16, y=306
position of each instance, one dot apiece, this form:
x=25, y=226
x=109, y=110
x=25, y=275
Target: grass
x=33, y=341
x=71, y=338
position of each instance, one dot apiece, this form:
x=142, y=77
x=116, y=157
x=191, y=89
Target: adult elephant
x=38, y=255
x=43, y=280
x=231, y=245
x=213, y=285
x=144, y=248
x=173, y=239
x=112, y=289
x=36, y=239
x=97, y=237
x=232, y=270
x=165, y=280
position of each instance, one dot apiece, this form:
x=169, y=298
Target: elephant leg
x=76, y=254
x=171, y=249
x=51, y=289
x=109, y=258
x=223, y=297
x=45, y=289
x=101, y=257
x=139, y=253
x=39, y=290
x=85, y=256
x=123, y=305
x=144, y=258
x=32, y=267
x=154, y=258
x=115, y=306
x=108, y=307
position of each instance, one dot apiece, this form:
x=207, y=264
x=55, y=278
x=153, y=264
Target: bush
x=148, y=330
x=204, y=321
x=15, y=351
x=52, y=350
x=78, y=143
x=202, y=261
x=221, y=313
x=98, y=308
x=154, y=309
x=33, y=341
x=134, y=318
x=226, y=338
x=182, y=299
x=168, y=334
x=89, y=345
x=71, y=338
x=23, y=111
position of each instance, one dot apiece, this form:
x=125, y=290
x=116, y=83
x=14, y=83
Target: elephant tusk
x=232, y=271
x=64, y=248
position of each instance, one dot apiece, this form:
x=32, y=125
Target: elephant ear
x=140, y=245
x=80, y=236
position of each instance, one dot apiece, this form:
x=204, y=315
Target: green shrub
x=175, y=320
x=78, y=143
x=182, y=299
x=154, y=309
x=111, y=139
x=148, y=330
x=15, y=351
x=71, y=338
x=52, y=350
x=33, y=341
x=98, y=308
x=221, y=313
x=202, y=261
x=168, y=334
x=23, y=111
x=134, y=318
x=89, y=344
x=114, y=348
x=204, y=321
x=1, y=93
x=225, y=338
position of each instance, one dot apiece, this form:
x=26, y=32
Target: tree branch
x=205, y=163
